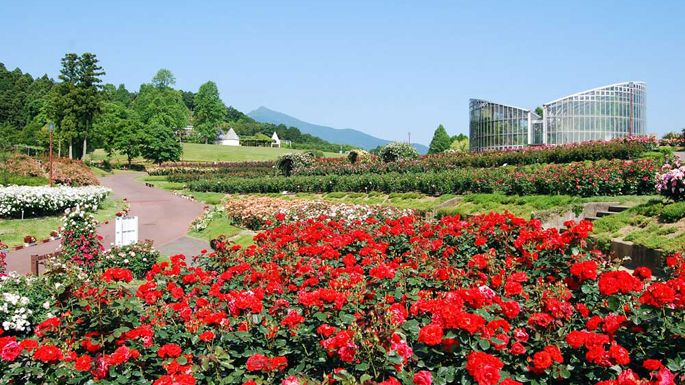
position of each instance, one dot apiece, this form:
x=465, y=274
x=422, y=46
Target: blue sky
x=385, y=68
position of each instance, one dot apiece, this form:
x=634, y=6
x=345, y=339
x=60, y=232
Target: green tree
x=159, y=145
x=163, y=79
x=161, y=106
x=189, y=99
x=209, y=110
x=539, y=111
x=90, y=97
x=441, y=141
x=121, y=130
x=122, y=96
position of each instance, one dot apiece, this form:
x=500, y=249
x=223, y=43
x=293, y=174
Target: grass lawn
x=653, y=224
x=526, y=206
x=219, y=226
x=193, y=152
x=13, y=231
x=159, y=181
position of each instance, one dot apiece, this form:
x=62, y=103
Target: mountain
x=330, y=134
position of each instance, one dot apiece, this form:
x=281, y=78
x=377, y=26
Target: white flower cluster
x=15, y=307
x=46, y=200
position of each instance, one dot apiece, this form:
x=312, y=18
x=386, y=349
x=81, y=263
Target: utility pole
x=409, y=137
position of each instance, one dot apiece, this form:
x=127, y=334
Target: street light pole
x=51, y=127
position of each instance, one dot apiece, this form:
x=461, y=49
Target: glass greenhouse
x=602, y=113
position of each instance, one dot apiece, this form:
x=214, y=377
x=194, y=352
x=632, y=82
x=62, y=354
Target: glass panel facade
x=601, y=114
x=495, y=126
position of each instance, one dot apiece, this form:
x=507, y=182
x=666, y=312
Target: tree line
x=89, y=114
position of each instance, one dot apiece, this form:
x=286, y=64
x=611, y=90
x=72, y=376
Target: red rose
x=169, y=350
x=257, y=362
x=83, y=363
x=575, y=339
x=585, y=270
x=423, y=378
x=207, y=336
x=47, y=354
x=542, y=360
x=484, y=368
x=431, y=334
x=619, y=354
x=652, y=364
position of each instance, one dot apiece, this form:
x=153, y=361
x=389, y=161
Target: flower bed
x=621, y=148
x=256, y=212
x=615, y=177
x=186, y=171
x=44, y=200
x=491, y=300
x=65, y=171
x=24, y=303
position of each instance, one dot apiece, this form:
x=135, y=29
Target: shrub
x=287, y=162
x=358, y=155
x=72, y=172
x=24, y=165
x=621, y=148
x=16, y=201
x=673, y=212
x=138, y=257
x=670, y=181
x=398, y=151
x=24, y=303
x=80, y=241
x=578, y=179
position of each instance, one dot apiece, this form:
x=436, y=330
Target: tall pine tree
x=441, y=141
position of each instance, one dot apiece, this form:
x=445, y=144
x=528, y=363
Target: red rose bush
x=490, y=300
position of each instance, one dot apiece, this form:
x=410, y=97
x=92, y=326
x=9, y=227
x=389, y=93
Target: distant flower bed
x=187, y=171
x=616, y=177
x=65, y=171
x=44, y=200
x=138, y=258
x=622, y=148
x=256, y=212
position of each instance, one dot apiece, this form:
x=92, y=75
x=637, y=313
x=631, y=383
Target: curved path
x=162, y=217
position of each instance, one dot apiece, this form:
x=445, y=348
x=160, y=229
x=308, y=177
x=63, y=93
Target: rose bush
x=256, y=212
x=670, y=181
x=138, y=258
x=44, y=200
x=620, y=148
x=490, y=300
x=80, y=241
x=615, y=177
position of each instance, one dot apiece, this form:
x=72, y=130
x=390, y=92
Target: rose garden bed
x=493, y=299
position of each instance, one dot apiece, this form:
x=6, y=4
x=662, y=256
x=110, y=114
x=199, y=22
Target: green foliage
x=159, y=144
x=161, y=106
x=358, y=155
x=209, y=110
x=398, y=151
x=673, y=212
x=121, y=130
x=163, y=79
x=441, y=141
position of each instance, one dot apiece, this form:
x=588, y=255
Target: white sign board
x=125, y=231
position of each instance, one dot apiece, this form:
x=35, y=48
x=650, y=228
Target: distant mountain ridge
x=330, y=134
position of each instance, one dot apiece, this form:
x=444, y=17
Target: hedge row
x=615, y=177
x=621, y=148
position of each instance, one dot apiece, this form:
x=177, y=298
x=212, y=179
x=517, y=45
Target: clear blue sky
x=382, y=67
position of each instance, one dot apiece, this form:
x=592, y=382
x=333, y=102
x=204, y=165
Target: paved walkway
x=162, y=217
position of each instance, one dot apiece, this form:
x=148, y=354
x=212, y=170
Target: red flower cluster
x=259, y=362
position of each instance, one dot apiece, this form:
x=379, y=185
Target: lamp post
x=51, y=128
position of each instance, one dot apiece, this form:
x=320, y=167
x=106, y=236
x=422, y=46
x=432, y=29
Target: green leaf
x=484, y=344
